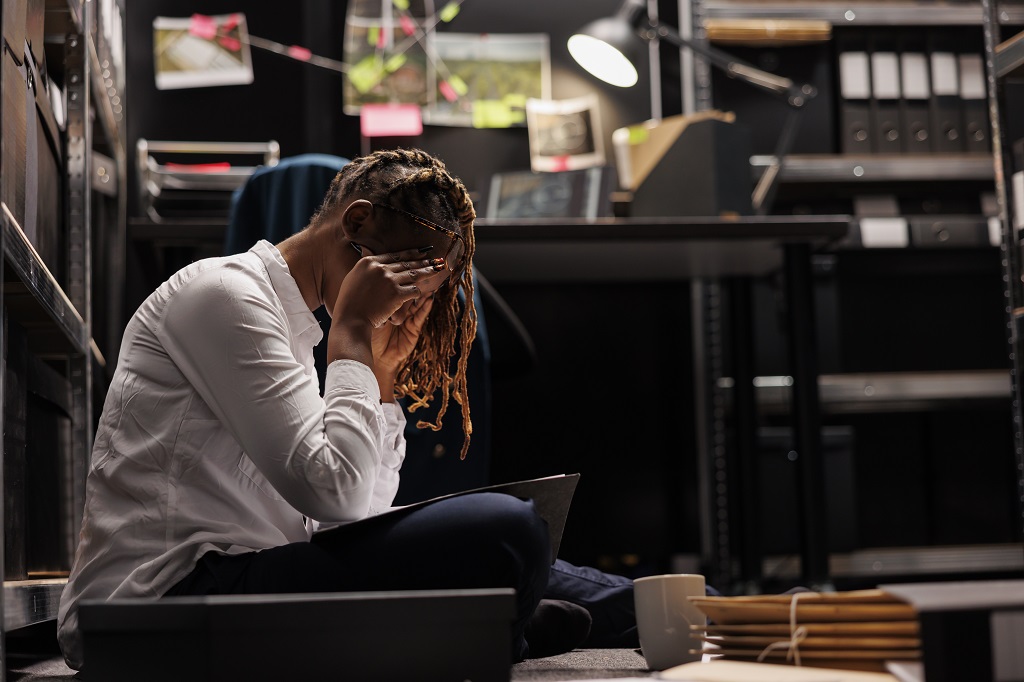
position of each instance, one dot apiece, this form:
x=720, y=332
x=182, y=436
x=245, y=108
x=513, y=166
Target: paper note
x=390, y=120
x=492, y=113
x=366, y=73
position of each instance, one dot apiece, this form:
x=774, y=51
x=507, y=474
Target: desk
x=662, y=249
x=647, y=249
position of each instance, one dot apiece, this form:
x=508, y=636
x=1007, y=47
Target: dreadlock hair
x=420, y=183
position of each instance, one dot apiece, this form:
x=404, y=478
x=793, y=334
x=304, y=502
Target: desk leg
x=799, y=289
x=744, y=463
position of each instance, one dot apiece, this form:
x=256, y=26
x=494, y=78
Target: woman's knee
x=514, y=522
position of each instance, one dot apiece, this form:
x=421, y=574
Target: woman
x=215, y=450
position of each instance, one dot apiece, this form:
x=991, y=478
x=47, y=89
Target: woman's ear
x=357, y=219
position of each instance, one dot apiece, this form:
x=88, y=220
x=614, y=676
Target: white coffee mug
x=664, y=616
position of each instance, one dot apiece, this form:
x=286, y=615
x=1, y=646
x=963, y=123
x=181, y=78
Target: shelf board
x=27, y=602
x=870, y=392
x=906, y=561
x=177, y=231
x=820, y=168
x=35, y=299
x=879, y=13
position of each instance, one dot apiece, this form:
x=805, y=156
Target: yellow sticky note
x=492, y=113
x=515, y=100
x=401, y=4
x=395, y=63
x=448, y=12
x=373, y=35
x=366, y=73
x=638, y=134
x=458, y=85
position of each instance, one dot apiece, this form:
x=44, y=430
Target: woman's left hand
x=392, y=344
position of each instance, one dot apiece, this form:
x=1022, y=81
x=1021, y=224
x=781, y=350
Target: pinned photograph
x=565, y=134
x=484, y=80
x=201, y=51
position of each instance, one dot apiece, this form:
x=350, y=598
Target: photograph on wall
x=565, y=134
x=385, y=52
x=494, y=74
x=201, y=51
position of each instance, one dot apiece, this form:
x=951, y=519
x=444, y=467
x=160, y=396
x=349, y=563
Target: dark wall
x=300, y=106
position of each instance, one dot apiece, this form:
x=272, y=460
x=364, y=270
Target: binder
x=886, y=129
x=855, y=91
x=915, y=80
x=946, y=117
x=974, y=103
x=885, y=90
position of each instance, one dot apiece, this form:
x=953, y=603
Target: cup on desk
x=664, y=615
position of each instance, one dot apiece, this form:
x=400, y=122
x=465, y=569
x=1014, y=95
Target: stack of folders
x=911, y=92
x=858, y=630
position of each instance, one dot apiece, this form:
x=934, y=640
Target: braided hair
x=420, y=183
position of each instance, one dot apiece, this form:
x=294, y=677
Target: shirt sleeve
x=386, y=488
x=231, y=341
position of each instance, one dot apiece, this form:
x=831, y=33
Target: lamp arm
x=796, y=95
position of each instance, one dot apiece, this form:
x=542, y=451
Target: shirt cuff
x=351, y=374
x=394, y=435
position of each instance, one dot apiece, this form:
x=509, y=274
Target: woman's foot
x=556, y=627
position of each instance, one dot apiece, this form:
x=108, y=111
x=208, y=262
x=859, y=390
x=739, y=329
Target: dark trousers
x=473, y=541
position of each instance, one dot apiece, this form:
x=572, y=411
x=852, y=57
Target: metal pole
x=799, y=287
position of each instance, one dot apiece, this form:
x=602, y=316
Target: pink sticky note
x=390, y=120
x=300, y=53
x=230, y=44
x=447, y=91
x=232, y=21
x=202, y=26
x=382, y=38
x=560, y=163
x=407, y=26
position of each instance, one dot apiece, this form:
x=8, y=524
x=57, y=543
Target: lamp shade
x=608, y=48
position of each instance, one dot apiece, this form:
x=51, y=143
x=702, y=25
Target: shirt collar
x=300, y=319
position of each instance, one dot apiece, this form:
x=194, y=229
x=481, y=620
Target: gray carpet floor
x=582, y=664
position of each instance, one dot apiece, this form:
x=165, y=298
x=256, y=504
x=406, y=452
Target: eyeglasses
x=456, y=265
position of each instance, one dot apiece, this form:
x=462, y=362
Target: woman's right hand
x=377, y=286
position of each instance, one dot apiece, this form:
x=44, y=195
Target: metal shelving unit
x=56, y=315
x=721, y=528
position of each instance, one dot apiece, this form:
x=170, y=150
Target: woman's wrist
x=386, y=382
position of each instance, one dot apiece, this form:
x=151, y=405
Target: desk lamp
x=609, y=47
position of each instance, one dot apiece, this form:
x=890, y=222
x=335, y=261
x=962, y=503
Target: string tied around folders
x=797, y=634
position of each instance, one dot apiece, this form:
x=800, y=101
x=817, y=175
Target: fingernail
x=424, y=249
x=438, y=263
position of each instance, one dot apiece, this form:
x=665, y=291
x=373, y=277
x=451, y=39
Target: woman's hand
x=377, y=286
x=392, y=344
x=375, y=289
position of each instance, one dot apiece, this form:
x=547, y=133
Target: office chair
x=277, y=201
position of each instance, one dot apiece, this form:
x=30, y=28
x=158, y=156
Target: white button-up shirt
x=214, y=436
